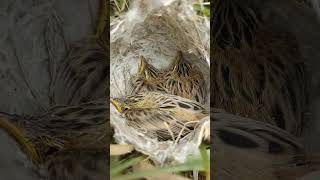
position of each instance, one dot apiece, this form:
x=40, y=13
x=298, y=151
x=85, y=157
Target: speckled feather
x=257, y=70
x=66, y=127
x=83, y=75
x=148, y=113
x=248, y=149
x=147, y=79
x=183, y=79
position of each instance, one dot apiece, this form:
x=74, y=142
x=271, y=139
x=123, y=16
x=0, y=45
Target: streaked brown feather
x=66, y=127
x=148, y=113
x=82, y=76
x=257, y=70
x=185, y=80
x=147, y=79
x=249, y=149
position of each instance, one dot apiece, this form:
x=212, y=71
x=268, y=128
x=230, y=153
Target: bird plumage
x=70, y=139
x=249, y=149
x=257, y=69
x=147, y=79
x=82, y=126
x=182, y=79
x=83, y=75
x=160, y=115
x=185, y=80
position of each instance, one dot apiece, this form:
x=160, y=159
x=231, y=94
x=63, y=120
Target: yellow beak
x=142, y=65
x=117, y=105
x=21, y=139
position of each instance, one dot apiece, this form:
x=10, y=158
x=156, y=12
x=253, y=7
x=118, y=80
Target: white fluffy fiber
x=157, y=30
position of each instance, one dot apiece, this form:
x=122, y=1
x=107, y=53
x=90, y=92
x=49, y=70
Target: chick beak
x=177, y=61
x=117, y=104
x=142, y=65
x=18, y=134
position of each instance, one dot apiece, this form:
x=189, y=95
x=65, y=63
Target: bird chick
x=159, y=115
x=148, y=78
x=82, y=126
x=185, y=80
x=257, y=69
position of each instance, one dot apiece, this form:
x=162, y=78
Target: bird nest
x=157, y=30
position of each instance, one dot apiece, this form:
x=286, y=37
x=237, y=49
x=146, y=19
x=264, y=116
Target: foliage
x=120, y=168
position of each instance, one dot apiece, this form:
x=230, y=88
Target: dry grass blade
x=117, y=149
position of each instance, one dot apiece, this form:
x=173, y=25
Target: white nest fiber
x=157, y=30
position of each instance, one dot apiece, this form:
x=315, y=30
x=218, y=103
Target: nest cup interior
x=157, y=34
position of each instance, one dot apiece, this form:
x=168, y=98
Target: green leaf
x=205, y=154
x=121, y=166
x=189, y=166
x=205, y=11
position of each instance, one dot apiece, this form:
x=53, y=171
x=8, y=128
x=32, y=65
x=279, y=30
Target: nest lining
x=157, y=31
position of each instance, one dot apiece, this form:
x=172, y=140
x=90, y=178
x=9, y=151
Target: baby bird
x=248, y=149
x=72, y=164
x=257, y=69
x=147, y=79
x=159, y=115
x=185, y=80
x=82, y=126
x=182, y=80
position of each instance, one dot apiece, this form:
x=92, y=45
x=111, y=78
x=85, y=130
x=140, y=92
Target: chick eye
x=126, y=108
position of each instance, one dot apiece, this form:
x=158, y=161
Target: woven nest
x=157, y=30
